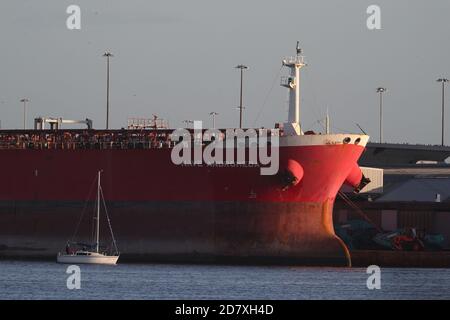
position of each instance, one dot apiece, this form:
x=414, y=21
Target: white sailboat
x=92, y=256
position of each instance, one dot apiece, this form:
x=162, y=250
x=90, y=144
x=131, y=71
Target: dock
x=400, y=259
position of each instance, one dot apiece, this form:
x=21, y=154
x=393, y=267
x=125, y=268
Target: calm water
x=45, y=280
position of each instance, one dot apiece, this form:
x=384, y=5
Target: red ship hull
x=164, y=212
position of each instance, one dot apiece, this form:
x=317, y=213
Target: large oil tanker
x=190, y=211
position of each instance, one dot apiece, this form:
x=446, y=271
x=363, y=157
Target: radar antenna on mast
x=299, y=50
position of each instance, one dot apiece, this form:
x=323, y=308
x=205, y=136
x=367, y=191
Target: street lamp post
x=443, y=81
x=213, y=115
x=24, y=101
x=381, y=90
x=107, y=55
x=242, y=68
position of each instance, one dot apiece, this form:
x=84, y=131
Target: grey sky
x=176, y=59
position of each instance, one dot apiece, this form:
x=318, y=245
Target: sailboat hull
x=87, y=259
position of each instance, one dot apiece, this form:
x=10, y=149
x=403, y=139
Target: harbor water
x=48, y=280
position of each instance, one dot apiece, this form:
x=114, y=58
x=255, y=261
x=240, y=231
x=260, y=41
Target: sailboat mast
x=98, y=212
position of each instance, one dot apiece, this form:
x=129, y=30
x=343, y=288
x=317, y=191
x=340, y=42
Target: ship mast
x=327, y=123
x=98, y=213
x=292, y=82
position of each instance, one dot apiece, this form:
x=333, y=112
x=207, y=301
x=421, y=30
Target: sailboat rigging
x=92, y=256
